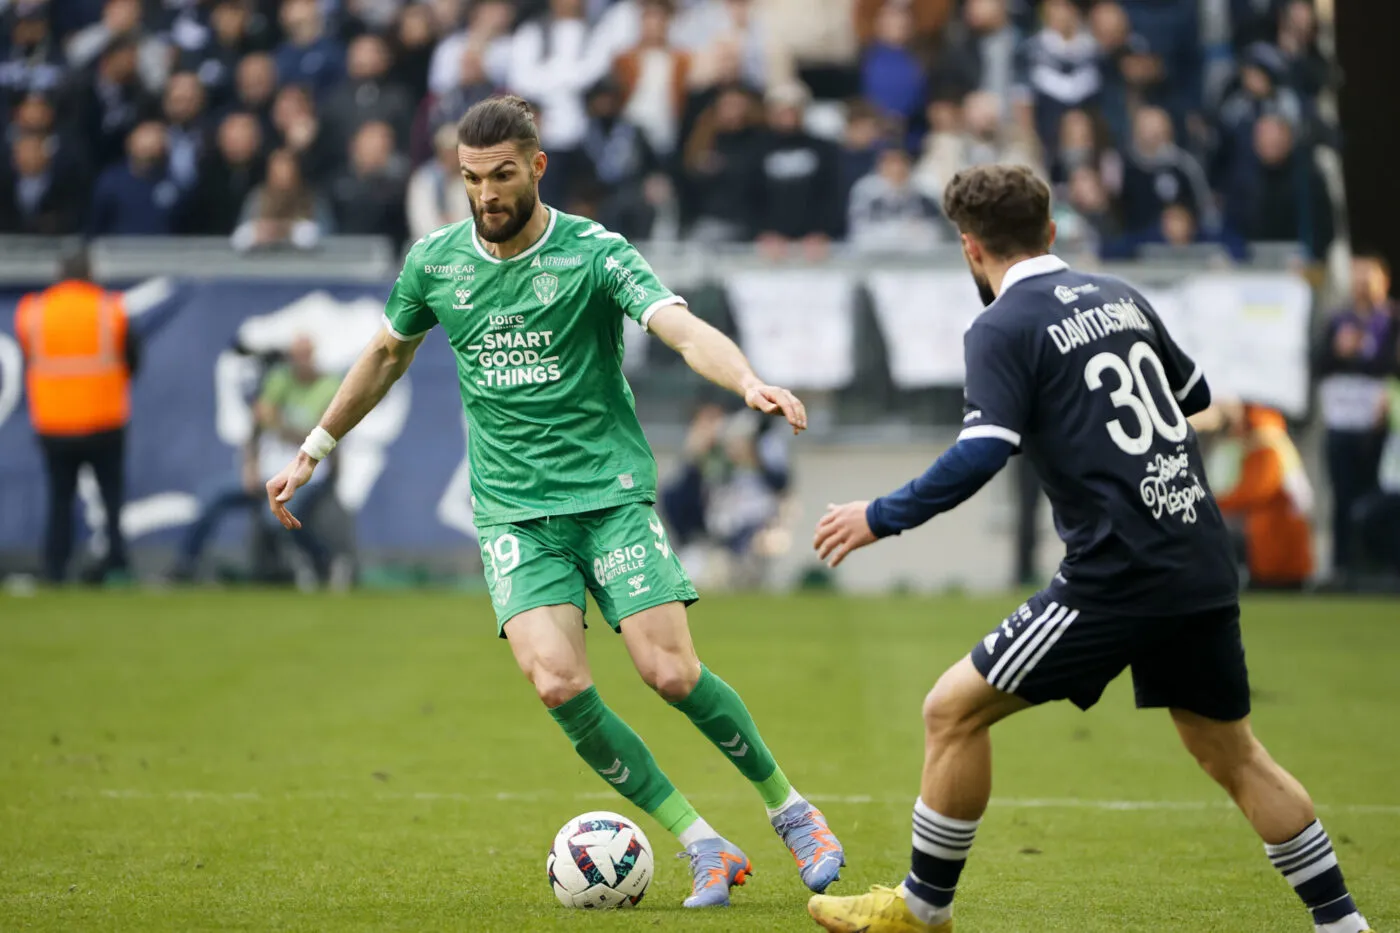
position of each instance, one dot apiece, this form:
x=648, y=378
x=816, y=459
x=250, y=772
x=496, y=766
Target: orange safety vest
x=74, y=340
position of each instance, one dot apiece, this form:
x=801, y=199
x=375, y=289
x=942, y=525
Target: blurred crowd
x=790, y=123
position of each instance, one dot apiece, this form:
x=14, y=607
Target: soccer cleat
x=814, y=848
x=717, y=866
x=882, y=910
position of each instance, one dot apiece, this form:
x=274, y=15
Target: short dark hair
x=1006, y=207
x=497, y=120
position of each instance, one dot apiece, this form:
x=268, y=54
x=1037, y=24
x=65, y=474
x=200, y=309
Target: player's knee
x=672, y=676
x=555, y=688
x=945, y=713
x=1227, y=754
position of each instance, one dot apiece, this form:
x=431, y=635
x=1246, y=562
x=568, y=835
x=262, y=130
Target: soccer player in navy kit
x=1077, y=373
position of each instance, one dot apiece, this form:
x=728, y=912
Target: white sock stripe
x=1011, y=652
x=938, y=850
x=961, y=852
x=1303, y=862
x=1044, y=650
x=929, y=813
x=1309, y=833
x=937, y=836
x=1287, y=863
x=1031, y=647
x=944, y=828
x=1311, y=871
x=1335, y=900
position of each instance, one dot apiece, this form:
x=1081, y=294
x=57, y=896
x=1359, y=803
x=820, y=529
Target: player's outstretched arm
x=383, y=361
x=954, y=477
x=719, y=359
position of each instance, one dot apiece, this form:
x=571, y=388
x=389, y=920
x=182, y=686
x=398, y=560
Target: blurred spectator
x=1253, y=20
x=619, y=171
x=436, y=195
x=861, y=145
x=652, y=78
x=814, y=42
x=551, y=66
x=1271, y=498
x=1259, y=94
x=1084, y=140
x=187, y=127
x=489, y=34
x=1176, y=227
x=138, y=196
x=734, y=472
x=307, y=55
x=472, y=87
x=369, y=197
x=283, y=210
x=80, y=358
x=979, y=52
x=36, y=197
x=227, y=176
x=296, y=128
x=112, y=101
x=1306, y=69
x=1284, y=199
x=717, y=30
x=892, y=77
x=973, y=134
x=1060, y=67
x=888, y=214
x=216, y=61
x=797, y=173
x=1085, y=218
x=412, y=51
x=121, y=22
x=721, y=167
x=927, y=18
x=1158, y=173
x=31, y=62
x=1354, y=360
x=365, y=96
x=1132, y=72
x=255, y=85
x=292, y=399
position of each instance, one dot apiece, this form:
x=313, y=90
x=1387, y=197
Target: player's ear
x=971, y=248
x=539, y=163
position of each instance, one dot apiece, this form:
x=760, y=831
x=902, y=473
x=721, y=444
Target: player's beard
x=984, y=289
x=517, y=215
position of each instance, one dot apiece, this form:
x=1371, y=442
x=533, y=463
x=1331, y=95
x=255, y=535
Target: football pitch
x=267, y=761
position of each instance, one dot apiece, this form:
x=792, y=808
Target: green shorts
x=620, y=554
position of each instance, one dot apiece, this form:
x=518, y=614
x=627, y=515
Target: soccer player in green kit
x=563, y=480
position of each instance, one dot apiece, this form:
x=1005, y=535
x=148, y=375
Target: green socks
x=622, y=759
x=717, y=711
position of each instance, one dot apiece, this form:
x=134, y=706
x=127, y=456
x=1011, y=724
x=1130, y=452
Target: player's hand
x=842, y=530
x=772, y=400
x=284, y=485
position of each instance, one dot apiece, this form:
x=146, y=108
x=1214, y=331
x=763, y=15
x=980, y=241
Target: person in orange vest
x=79, y=360
x=1271, y=496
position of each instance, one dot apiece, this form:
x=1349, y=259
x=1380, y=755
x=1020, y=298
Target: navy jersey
x=1078, y=372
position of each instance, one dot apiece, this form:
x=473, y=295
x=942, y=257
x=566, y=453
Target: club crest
x=546, y=287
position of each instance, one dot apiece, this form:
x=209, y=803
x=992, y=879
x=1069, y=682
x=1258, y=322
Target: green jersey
x=538, y=340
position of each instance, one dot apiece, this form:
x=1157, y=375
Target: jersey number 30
x=1134, y=394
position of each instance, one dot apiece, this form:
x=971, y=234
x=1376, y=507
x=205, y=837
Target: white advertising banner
x=797, y=326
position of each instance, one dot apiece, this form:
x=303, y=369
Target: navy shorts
x=1047, y=650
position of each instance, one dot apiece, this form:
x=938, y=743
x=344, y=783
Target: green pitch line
x=265, y=761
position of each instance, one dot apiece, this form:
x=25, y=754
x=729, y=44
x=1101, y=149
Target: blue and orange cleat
x=717, y=865
x=814, y=847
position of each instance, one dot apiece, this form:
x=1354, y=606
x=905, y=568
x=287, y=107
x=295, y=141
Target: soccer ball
x=600, y=859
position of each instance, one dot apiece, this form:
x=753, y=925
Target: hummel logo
x=620, y=779
x=733, y=742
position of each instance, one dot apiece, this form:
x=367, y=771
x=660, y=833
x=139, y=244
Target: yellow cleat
x=881, y=911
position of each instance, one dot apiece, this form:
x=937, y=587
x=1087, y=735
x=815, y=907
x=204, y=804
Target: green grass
x=260, y=761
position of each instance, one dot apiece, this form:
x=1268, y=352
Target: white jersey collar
x=533, y=248
x=1029, y=268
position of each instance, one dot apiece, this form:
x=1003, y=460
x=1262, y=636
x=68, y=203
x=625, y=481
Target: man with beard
x=563, y=481
x=1077, y=372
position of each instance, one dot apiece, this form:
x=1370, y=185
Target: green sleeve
x=406, y=313
x=629, y=282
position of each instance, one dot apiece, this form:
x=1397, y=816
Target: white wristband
x=318, y=443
